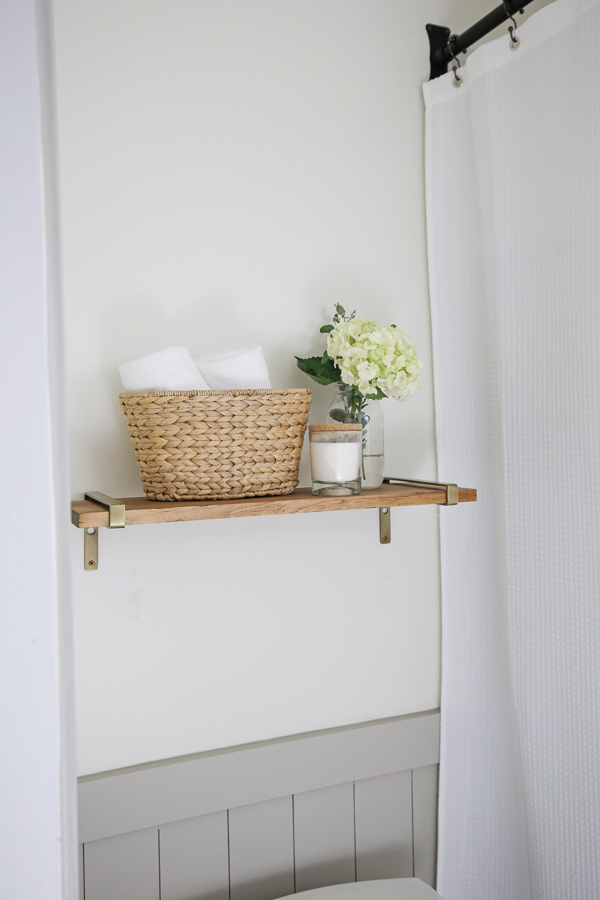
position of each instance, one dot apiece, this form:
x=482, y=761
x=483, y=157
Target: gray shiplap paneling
x=183, y=788
x=123, y=867
x=324, y=837
x=261, y=859
x=261, y=848
x=194, y=859
x=384, y=833
x=425, y=798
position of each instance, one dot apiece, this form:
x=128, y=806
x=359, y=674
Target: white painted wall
x=230, y=170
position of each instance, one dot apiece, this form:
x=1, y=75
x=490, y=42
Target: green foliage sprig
x=323, y=369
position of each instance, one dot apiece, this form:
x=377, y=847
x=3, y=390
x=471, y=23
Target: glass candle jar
x=335, y=455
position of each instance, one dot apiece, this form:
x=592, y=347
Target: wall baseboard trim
x=151, y=794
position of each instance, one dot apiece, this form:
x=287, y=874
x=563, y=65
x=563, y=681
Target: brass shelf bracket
x=385, y=525
x=90, y=549
x=116, y=519
x=451, y=489
x=385, y=519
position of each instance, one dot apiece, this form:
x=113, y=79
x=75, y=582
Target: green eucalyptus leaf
x=326, y=329
x=338, y=415
x=340, y=310
x=365, y=420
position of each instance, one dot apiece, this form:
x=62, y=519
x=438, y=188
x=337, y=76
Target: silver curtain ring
x=457, y=80
x=514, y=40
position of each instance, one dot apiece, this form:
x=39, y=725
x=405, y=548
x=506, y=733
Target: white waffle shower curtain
x=513, y=213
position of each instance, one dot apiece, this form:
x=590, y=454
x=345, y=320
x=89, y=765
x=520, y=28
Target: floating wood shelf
x=91, y=514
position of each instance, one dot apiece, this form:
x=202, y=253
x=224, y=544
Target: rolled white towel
x=172, y=369
x=235, y=370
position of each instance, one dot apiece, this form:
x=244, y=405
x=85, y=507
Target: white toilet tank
x=386, y=889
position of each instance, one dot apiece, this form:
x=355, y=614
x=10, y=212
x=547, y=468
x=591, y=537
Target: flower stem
x=355, y=405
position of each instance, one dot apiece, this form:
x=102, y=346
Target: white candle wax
x=333, y=462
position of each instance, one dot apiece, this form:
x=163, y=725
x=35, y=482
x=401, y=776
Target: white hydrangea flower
x=373, y=357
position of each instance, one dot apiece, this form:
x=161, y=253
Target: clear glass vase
x=349, y=405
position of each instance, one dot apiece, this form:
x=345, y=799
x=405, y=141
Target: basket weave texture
x=208, y=445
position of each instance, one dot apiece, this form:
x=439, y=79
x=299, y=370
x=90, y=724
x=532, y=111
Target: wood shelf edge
x=140, y=511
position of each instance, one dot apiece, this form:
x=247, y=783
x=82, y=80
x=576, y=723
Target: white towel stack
x=174, y=369
x=235, y=370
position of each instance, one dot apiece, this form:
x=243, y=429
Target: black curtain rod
x=444, y=46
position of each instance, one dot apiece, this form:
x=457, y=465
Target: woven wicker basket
x=208, y=445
